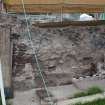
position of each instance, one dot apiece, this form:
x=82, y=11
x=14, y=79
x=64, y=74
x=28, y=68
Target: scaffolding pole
x=2, y=86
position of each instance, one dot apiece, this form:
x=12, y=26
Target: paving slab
x=26, y=98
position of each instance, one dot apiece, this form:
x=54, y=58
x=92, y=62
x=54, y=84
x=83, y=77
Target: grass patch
x=9, y=102
x=90, y=91
x=96, y=102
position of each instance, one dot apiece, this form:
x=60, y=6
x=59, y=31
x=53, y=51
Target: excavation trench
x=63, y=53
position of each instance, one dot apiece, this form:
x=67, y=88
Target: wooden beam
x=15, y=2
x=56, y=6
x=69, y=23
x=64, y=8
x=88, y=2
x=5, y=56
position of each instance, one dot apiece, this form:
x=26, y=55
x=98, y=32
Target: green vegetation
x=8, y=102
x=90, y=91
x=96, y=102
x=0, y=101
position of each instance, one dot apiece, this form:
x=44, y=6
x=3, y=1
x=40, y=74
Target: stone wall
x=70, y=58
x=63, y=54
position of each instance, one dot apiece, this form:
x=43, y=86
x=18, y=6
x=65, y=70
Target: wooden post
x=5, y=55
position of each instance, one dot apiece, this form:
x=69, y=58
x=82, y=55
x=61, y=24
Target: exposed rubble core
x=63, y=53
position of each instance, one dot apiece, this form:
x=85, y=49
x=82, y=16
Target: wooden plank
x=56, y=8
x=70, y=23
x=5, y=55
x=14, y=2
x=89, y=2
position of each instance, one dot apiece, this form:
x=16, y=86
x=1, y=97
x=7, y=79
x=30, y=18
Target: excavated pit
x=63, y=53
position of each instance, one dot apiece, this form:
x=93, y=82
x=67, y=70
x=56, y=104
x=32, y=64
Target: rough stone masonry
x=63, y=53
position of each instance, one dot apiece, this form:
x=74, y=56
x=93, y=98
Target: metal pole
x=61, y=14
x=2, y=86
x=2, y=4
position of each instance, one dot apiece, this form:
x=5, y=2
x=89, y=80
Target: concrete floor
x=26, y=98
